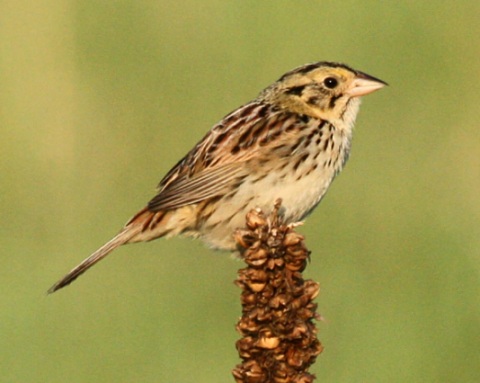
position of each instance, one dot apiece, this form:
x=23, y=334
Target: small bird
x=289, y=143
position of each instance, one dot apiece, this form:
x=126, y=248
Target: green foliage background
x=98, y=100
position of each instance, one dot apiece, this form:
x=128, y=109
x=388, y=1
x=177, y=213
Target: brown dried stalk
x=279, y=341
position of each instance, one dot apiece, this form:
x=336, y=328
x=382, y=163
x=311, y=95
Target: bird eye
x=330, y=82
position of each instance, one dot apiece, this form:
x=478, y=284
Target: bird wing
x=206, y=184
x=220, y=160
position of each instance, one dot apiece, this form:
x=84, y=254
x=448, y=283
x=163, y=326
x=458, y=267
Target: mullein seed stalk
x=279, y=338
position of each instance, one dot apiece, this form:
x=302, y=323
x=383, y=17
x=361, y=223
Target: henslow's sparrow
x=289, y=143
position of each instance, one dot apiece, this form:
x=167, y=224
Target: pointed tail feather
x=121, y=238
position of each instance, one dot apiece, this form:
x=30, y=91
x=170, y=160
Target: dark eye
x=330, y=82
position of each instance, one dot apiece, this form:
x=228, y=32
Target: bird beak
x=364, y=84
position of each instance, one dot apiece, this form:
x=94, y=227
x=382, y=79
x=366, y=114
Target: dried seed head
x=256, y=256
x=255, y=219
x=312, y=289
x=256, y=286
x=257, y=275
x=279, y=337
x=248, y=298
x=244, y=238
x=279, y=300
x=269, y=343
x=292, y=238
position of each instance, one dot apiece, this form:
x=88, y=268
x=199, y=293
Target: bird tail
x=121, y=238
x=144, y=226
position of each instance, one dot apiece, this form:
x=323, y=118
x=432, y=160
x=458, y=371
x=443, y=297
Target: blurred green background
x=98, y=100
